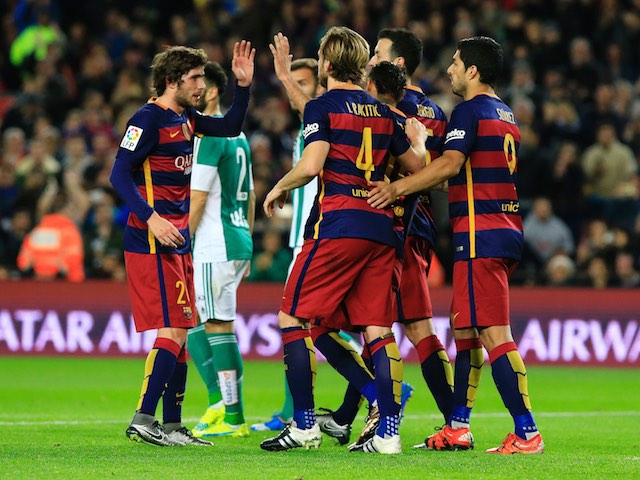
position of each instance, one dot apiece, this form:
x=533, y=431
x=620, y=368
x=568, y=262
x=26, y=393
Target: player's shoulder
x=148, y=114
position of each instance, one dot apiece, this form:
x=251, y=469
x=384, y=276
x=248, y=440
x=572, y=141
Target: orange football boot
x=449, y=439
x=515, y=444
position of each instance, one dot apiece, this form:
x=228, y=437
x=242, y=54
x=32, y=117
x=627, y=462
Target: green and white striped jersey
x=302, y=199
x=222, y=167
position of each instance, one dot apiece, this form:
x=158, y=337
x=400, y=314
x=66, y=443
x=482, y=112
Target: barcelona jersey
x=362, y=132
x=152, y=170
x=483, y=202
x=416, y=104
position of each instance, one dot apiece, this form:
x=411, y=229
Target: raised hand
x=242, y=63
x=281, y=56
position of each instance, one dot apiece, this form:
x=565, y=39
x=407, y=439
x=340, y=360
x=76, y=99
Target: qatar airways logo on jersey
x=455, y=134
x=184, y=163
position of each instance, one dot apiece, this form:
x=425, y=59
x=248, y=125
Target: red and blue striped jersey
x=362, y=133
x=416, y=104
x=152, y=169
x=483, y=202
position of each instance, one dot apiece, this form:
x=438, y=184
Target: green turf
x=65, y=418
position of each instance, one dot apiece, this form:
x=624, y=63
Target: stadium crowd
x=71, y=74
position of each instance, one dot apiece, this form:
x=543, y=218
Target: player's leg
x=200, y=349
x=370, y=305
x=346, y=360
x=281, y=418
x=434, y=363
x=300, y=369
x=415, y=312
x=510, y=376
x=151, y=311
x=180, y=301
x=387, y=365
x=219, y=306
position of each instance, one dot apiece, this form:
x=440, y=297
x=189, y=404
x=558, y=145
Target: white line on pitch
x=630, y=413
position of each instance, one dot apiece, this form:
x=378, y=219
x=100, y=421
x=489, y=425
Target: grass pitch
x=65, y=418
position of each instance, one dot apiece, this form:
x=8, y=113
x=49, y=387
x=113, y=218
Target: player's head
x=386, y=82
x=216, y=80
x=343, y=55
x=181, y=69
x=477, y=59
x=305, y=72
x=399, y=46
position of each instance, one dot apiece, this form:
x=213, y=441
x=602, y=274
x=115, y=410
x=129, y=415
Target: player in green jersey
x=221, y=220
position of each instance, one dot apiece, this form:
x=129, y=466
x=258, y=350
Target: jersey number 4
x=365, y=155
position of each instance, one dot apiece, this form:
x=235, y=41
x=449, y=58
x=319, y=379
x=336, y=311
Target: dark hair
x=485, y=53
x=389, y=80
x=214, y=75
x=172, y=64
x=405, y=44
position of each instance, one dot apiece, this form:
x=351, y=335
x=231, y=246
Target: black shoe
x=328, y=425
x=293, y=437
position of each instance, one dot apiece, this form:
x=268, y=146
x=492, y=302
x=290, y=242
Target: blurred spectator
x=271, y=262
x=13, y=146
x=598, y=275
x=12, y=235
x=38, y=160
x=545, y=234
x=626, y=275
x=565, y=183
x=53, y=249
x=103, y=241
x=611, y=178
x=560, y=271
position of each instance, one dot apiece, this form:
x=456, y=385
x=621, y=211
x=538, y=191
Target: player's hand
x=275, y=195
x=165, y=232
x=242, y=63
x=281, y=56
x=247, y=272
x=382, y=194
x=415, y=131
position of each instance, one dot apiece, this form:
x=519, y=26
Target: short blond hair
x=347, y=52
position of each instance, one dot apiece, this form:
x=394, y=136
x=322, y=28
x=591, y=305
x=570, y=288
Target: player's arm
x=415, y=157
x=203, y=176
x=242, y=65
x=131, y=155
x=309, y=166
x=196, y=209
x=282, y=66
x=440, y=170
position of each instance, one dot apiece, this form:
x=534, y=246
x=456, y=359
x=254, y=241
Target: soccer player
x=479, y=160
x=300, y=80
x=348, y=254
x=404, y=49
x=221, y=223
x=151, y=173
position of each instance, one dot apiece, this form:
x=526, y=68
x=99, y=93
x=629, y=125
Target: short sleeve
x=462, y=130
x=139, y=139
x=316, y=121
x=399, y=141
